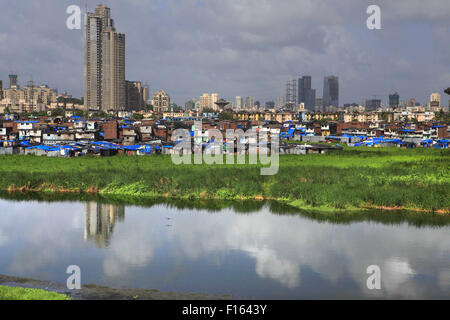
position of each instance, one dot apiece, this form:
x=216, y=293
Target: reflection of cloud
x=133, y=246
x=41, y=232
x=444, y=280
x=394, y=273
x=268, y=265
x=3, y=238
x=280, y=246
x=31, y=258
x=136, y=250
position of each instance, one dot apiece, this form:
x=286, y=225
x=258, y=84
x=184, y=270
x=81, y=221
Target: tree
x=208, y=110
x=57, y=112
x=70, y=100
x=447, y=91
x=138, y=116
x=226, y=116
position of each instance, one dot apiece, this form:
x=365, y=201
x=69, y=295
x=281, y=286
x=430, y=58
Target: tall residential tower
x=306, y=94
x=104, y=62
x=331, y=91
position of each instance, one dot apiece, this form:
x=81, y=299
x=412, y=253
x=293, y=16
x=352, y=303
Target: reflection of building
x=99, y=221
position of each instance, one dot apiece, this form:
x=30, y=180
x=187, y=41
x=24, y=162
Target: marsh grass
x=17, y=293
x=354, y=178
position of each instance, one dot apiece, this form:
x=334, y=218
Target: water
x=264, y=253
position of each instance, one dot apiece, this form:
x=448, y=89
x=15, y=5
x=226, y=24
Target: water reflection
x=99, y=221
x=254, y=253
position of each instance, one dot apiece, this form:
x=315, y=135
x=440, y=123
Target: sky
x=241, y=47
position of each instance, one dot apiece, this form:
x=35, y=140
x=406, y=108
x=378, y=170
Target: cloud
x=241, y=47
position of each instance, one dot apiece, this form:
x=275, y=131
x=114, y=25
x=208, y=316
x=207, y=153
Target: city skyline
x=380, y=65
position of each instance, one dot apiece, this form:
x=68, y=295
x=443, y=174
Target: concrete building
x=249, y=103
x=331, y=91
x=12, y=81
x=394, y=100
x=208, y=100
x=161, y=102
x=280, y=102
x=104, y=62
x=135, y=96
x=306, y=94
x=239, y=103
x=435, y=102
x=28, y=99
x=373, y=104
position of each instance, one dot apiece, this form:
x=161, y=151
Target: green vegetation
x=348, y=180
x=17, y=293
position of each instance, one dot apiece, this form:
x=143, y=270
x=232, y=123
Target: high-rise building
x=214, y=99
x=205, y=101
x=239, y=103
x=208, y=100
x=1, y=89
x=373, y=104
x=135, y=99
x=394, y=100
x=331, y=91
x=104, y=62
x=161, y=102
x=280, y=102
x=318, y=106
x=190, y=104
x=306, y=94
x=146, y=93
x=435, y=102
x=12, y=81
x=291, y=94
x=249, y=102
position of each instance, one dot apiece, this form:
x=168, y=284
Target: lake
x=246, y=250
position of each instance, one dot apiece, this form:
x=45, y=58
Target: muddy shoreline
x=95, y=292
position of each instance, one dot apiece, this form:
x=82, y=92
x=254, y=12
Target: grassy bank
x=353, y=179
x=17, y=293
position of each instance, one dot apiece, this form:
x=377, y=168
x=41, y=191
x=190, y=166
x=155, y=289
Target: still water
x=260, y=252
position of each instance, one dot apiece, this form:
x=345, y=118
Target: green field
x=16, y=293
x=355, y=178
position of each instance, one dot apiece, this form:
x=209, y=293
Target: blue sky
x=241, y=47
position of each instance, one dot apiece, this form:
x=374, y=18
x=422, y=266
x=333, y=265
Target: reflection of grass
x=352, y=179
x=16, y=293
x=414, y=218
